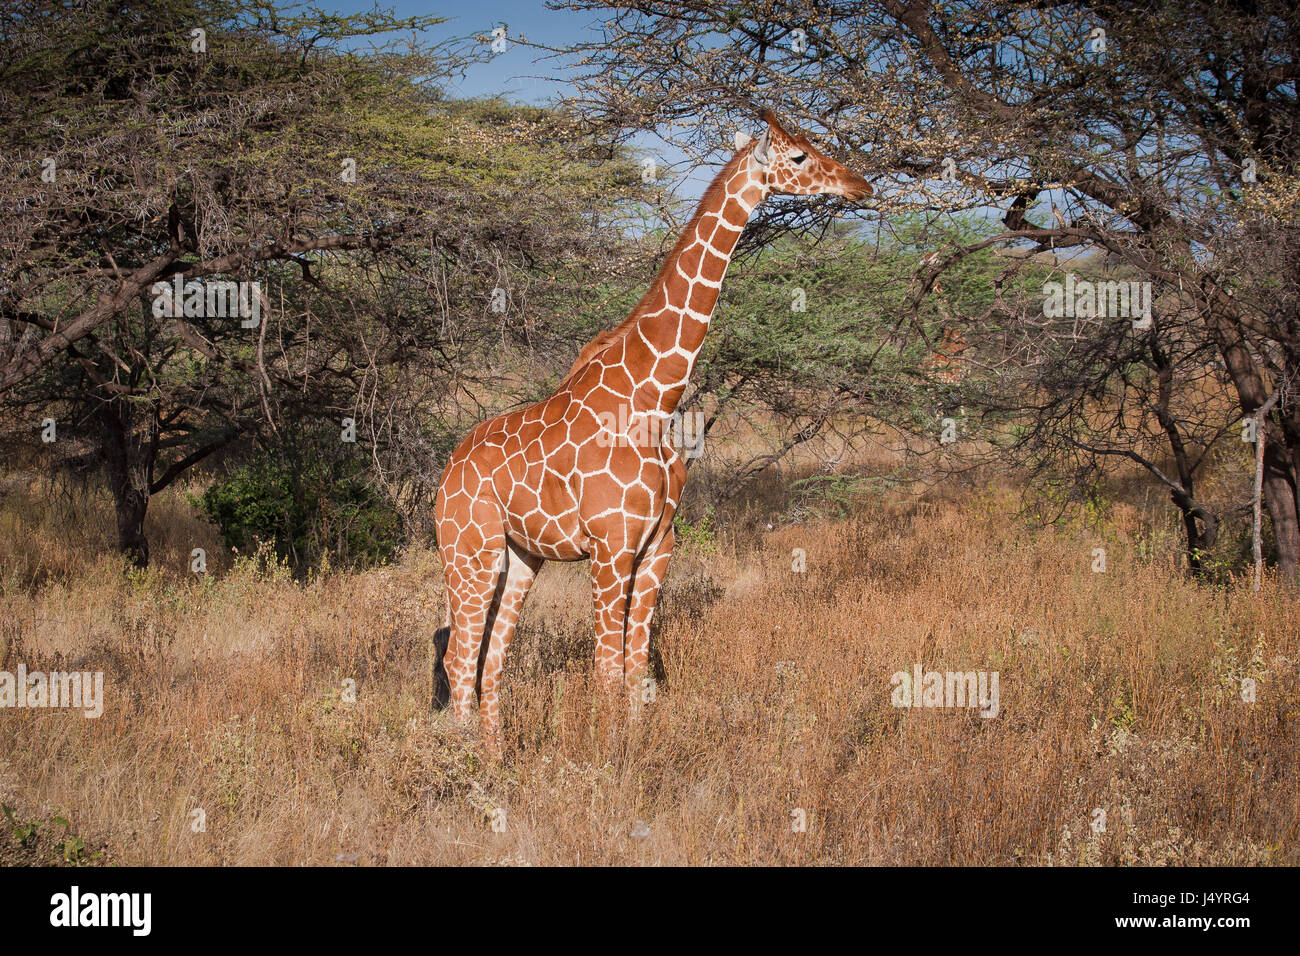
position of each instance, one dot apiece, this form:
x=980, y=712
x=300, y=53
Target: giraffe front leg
x=611, y=574
x=521, y=570
x=649, y=577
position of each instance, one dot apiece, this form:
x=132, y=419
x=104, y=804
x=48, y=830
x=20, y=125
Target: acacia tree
x=807, y=333
x=213, y=140
x=1090, y=392
x=1163, y=134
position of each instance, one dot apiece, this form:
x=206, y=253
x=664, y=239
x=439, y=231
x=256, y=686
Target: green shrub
x=317, y=509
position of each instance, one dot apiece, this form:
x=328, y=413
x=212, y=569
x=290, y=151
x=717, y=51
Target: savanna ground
x=1119, y=690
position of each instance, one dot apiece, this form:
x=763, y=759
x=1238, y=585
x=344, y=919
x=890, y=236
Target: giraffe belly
x=542, y=518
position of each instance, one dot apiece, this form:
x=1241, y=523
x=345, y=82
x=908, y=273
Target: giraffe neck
x=672, y=319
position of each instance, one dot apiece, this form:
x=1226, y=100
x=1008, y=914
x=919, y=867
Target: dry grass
x=1119, y=691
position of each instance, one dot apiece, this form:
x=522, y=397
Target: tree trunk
x=1199, y=540
x=1282, y=448
x=1279, y=493
x=1194, y=547
x=129, y=451
x=132, y=504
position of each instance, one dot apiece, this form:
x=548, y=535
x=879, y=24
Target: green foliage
x=311, y=500
x=698, y=537
x=1122, y=714
x=838, y=318
x=24, y=833
x=71, y=849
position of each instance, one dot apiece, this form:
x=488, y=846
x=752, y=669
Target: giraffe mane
x=605, y=339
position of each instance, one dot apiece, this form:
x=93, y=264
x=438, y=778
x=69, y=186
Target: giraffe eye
x=799, y=159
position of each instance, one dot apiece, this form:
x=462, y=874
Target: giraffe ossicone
x=567, y=478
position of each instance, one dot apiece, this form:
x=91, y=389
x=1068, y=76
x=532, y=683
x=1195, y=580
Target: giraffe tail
x=441, y=686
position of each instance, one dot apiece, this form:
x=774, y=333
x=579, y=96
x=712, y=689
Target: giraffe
x=588, y=473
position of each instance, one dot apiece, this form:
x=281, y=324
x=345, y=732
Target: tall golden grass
x=1120, y=691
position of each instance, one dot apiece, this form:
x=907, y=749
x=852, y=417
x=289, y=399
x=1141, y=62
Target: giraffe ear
x=760, y=151
x=743, y=139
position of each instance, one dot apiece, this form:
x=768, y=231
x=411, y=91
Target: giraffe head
x=787, y=164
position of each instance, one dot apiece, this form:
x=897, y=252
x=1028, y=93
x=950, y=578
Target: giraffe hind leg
x=493, y=616
x=472, y=587
x=611, y=574
x=649, y=577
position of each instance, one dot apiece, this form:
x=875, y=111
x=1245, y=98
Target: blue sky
x=513, y=73
x=516, y=73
